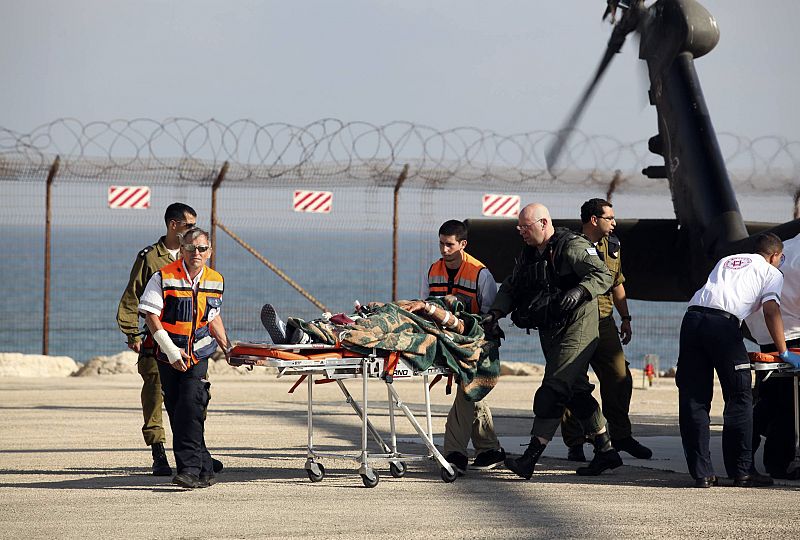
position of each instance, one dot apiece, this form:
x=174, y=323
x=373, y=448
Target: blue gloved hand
x=790, y=357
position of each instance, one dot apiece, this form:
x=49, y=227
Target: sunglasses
x=191, y=248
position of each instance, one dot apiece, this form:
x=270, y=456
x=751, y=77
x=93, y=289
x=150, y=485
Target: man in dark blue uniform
x=711, y=340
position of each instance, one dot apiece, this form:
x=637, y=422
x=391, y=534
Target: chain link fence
x=338, y=257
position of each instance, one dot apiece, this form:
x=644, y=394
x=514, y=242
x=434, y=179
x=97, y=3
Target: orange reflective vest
x=185, y=312
x=464, y=285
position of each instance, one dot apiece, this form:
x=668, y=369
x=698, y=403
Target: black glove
x=572, y=298
x=492, y=317
x=491, y=325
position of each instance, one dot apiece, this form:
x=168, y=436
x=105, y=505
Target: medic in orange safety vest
x=464, y=285
x=185, y=313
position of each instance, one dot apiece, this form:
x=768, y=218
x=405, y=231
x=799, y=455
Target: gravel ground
x=72, y=465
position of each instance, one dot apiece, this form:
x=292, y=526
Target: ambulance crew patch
x=737, y=263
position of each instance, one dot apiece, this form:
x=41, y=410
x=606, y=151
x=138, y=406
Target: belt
x=714, y=311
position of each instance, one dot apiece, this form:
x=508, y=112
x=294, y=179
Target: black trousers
x=708, y=343
x=186, y=396
x=773, y=418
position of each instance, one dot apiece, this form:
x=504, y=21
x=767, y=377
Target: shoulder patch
x=613, y=246
x=145, y=251
x=591, y=251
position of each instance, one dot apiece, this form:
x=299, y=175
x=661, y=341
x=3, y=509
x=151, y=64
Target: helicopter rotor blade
x=627, y=24
x=554, y=151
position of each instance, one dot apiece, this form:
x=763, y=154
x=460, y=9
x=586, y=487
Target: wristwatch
x=625, y=317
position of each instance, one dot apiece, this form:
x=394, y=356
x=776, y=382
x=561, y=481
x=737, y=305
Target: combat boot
x=605, y=457
x=633, y=447
x=523, y=465
x=160, y=463
x=575, y=453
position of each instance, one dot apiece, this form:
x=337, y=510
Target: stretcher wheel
x=398, y=469
x=313, y=476
x=447, y=476
x=370, y=480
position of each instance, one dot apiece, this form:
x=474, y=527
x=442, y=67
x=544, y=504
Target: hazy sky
x=509, y=66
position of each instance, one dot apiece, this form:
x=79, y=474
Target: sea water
x=90, y=268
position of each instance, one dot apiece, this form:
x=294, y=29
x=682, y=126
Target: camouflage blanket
x=472, y=359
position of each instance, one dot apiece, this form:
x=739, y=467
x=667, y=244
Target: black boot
x=633, y=447
x=523, y=465
x=605, y=457
x=575, y=453
x=160, y=463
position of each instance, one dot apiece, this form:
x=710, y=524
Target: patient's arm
x=440, y=316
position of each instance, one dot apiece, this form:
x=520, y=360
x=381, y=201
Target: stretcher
x=768, y=362
x=318, y=363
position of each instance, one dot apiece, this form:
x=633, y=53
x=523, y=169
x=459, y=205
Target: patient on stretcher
x=437, y=330
x=281, y=333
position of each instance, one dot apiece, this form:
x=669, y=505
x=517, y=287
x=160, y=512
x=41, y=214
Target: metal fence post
x=51, y=175
x=214, y=187
x=395, y=227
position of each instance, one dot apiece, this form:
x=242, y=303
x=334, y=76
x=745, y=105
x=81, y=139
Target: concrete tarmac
x=73, y=465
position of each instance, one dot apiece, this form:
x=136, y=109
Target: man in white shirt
x=774, y=401
x=711, y=340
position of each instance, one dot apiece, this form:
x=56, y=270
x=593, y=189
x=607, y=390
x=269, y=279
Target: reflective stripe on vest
x=185, y=313
x=465, y=282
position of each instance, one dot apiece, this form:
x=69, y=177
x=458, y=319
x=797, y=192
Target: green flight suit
x=608, y=361
x=149, y=261
x=569, y=345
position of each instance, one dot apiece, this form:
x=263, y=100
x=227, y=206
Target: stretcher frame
x=331, y=366
x=784, y=369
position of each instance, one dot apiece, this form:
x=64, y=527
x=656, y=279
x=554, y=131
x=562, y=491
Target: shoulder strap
x=562, y=237
x=613, y=246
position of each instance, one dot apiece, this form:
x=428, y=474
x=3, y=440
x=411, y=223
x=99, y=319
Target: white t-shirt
x=740, y=284
x=152, y=300
x=790, y=298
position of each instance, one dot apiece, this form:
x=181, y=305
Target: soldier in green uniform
x=608, y=361
x=554, y=288
x=178, y=217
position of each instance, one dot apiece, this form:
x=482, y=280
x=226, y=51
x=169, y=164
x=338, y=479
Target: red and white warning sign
x=320, y=202
x=500, y=205
x=136, y=197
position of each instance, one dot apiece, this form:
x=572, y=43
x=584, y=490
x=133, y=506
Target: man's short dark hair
x=593, y=207
x=455, y=228
x=177, y=212
x=768, y=243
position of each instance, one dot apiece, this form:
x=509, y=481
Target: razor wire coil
x=336, y=150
